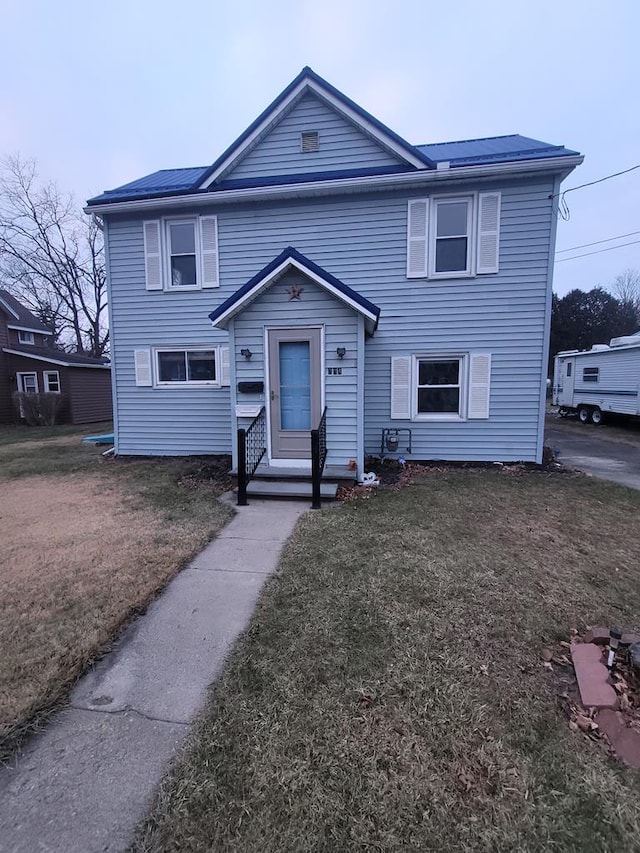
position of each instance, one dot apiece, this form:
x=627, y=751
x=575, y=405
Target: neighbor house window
x=182, y=245
x=590, y=374
x=26, y=337
x=186, y=367
x=439, y=382
x=450, y=249
x=27, y=383
x=52, y=381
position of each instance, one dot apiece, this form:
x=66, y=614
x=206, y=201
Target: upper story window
x=451, y=236
x=590, y=374
x=183, y=257
x=181, y=253
x=26, y=337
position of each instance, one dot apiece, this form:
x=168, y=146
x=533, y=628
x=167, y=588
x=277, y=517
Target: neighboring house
x=29, y=364
x=322, y=261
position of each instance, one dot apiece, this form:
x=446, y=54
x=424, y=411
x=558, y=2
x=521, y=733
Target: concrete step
x=289, y=489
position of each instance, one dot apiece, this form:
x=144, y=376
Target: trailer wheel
x=583, y=414
x=596, y=416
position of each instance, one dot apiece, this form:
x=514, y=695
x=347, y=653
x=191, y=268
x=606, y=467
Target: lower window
x=52, y=381
x=439, y=382
x=186, y=367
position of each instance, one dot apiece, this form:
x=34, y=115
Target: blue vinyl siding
x=342, y=145
x=361, y=239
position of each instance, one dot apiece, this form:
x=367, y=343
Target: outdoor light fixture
x=341, y=351
x=246, y=352
x=615, y=635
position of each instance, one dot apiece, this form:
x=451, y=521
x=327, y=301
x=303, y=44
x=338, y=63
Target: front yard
x=87, y=542
x=390, y=695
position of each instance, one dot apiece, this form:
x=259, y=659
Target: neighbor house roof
x=290, y=258
x=53, y=356
x=20, y=317
x=410, y=158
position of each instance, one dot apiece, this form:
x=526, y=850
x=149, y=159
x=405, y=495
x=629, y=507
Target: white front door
x=566, y=379
x=294, y=390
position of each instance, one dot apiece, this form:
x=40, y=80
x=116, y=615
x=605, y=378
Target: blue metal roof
x=493, y=149
x=253, y=288
x=471, y=152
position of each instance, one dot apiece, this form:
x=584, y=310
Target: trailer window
x=590, y=374
x=569, y=366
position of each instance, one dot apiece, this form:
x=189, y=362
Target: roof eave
x=418, y=179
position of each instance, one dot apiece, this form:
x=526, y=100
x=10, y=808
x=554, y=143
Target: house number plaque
x=334, y=371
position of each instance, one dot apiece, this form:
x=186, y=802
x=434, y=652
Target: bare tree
x=52, y=258
x=626, y=288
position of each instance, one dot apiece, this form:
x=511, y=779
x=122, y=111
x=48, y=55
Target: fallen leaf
x=547, y=665
x=546, y=654
x=573, y=726
x=585, y=724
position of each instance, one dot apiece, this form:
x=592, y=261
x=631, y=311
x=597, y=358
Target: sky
x=102, y=93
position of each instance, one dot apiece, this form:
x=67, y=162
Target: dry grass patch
x=81, y=554
x=389, y=694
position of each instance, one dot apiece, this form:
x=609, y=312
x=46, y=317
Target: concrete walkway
x=84, y=783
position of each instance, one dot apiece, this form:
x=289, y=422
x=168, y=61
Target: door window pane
x=295, y=385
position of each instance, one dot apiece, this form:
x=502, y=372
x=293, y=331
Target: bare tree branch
x=53, y=258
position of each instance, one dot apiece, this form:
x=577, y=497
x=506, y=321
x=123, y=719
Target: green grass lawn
x=389, y=693
x=87, y=543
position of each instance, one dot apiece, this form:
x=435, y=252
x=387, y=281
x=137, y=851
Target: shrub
x=38, y=409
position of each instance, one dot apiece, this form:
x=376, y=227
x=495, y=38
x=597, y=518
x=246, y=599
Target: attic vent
x=309, y=141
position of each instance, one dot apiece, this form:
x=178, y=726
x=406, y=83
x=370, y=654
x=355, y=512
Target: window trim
x=472, y=224
x=31, y=339
x=167, y=254
x=463, y=384
x=45, y=378
x=188, y=383
x=20, y=381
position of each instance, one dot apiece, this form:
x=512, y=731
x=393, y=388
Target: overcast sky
x=102, y=93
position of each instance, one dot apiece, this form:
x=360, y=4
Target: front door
x=295, y=390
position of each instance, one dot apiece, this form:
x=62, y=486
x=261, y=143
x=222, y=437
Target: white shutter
x=225, y=367
x=488, y=233
x=142, y=358
x=479, y=385
x=209, y=250
x=417, y=236
x=401, y=388
x=152, y=255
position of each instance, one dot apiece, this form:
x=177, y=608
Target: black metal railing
x=318, y=458
x=252, y=445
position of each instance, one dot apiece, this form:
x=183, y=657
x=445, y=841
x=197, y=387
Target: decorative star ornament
x=294, y=291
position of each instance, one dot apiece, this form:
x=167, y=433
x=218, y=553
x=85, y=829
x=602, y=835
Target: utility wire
x=563, y=207
x=598, y=251
x=597, y=242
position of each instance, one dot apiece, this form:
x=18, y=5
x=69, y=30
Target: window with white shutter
x=152, y=255
x=209, y=250
x=488, y=233
x=417, y=237
x=142, y=360
x=225, y=367
x=479, y=385
x=401, y=388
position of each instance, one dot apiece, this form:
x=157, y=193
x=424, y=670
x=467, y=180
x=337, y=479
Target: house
x=29, y=364
x=324, y=263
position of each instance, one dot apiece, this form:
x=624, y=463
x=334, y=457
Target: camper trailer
x=604, y=379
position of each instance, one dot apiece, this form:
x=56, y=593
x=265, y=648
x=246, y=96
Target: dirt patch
x=80, y=554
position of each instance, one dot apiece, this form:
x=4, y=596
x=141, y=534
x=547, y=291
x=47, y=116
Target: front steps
x=271, y=481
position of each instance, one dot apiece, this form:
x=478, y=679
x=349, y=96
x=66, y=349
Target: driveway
x=591, y=450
